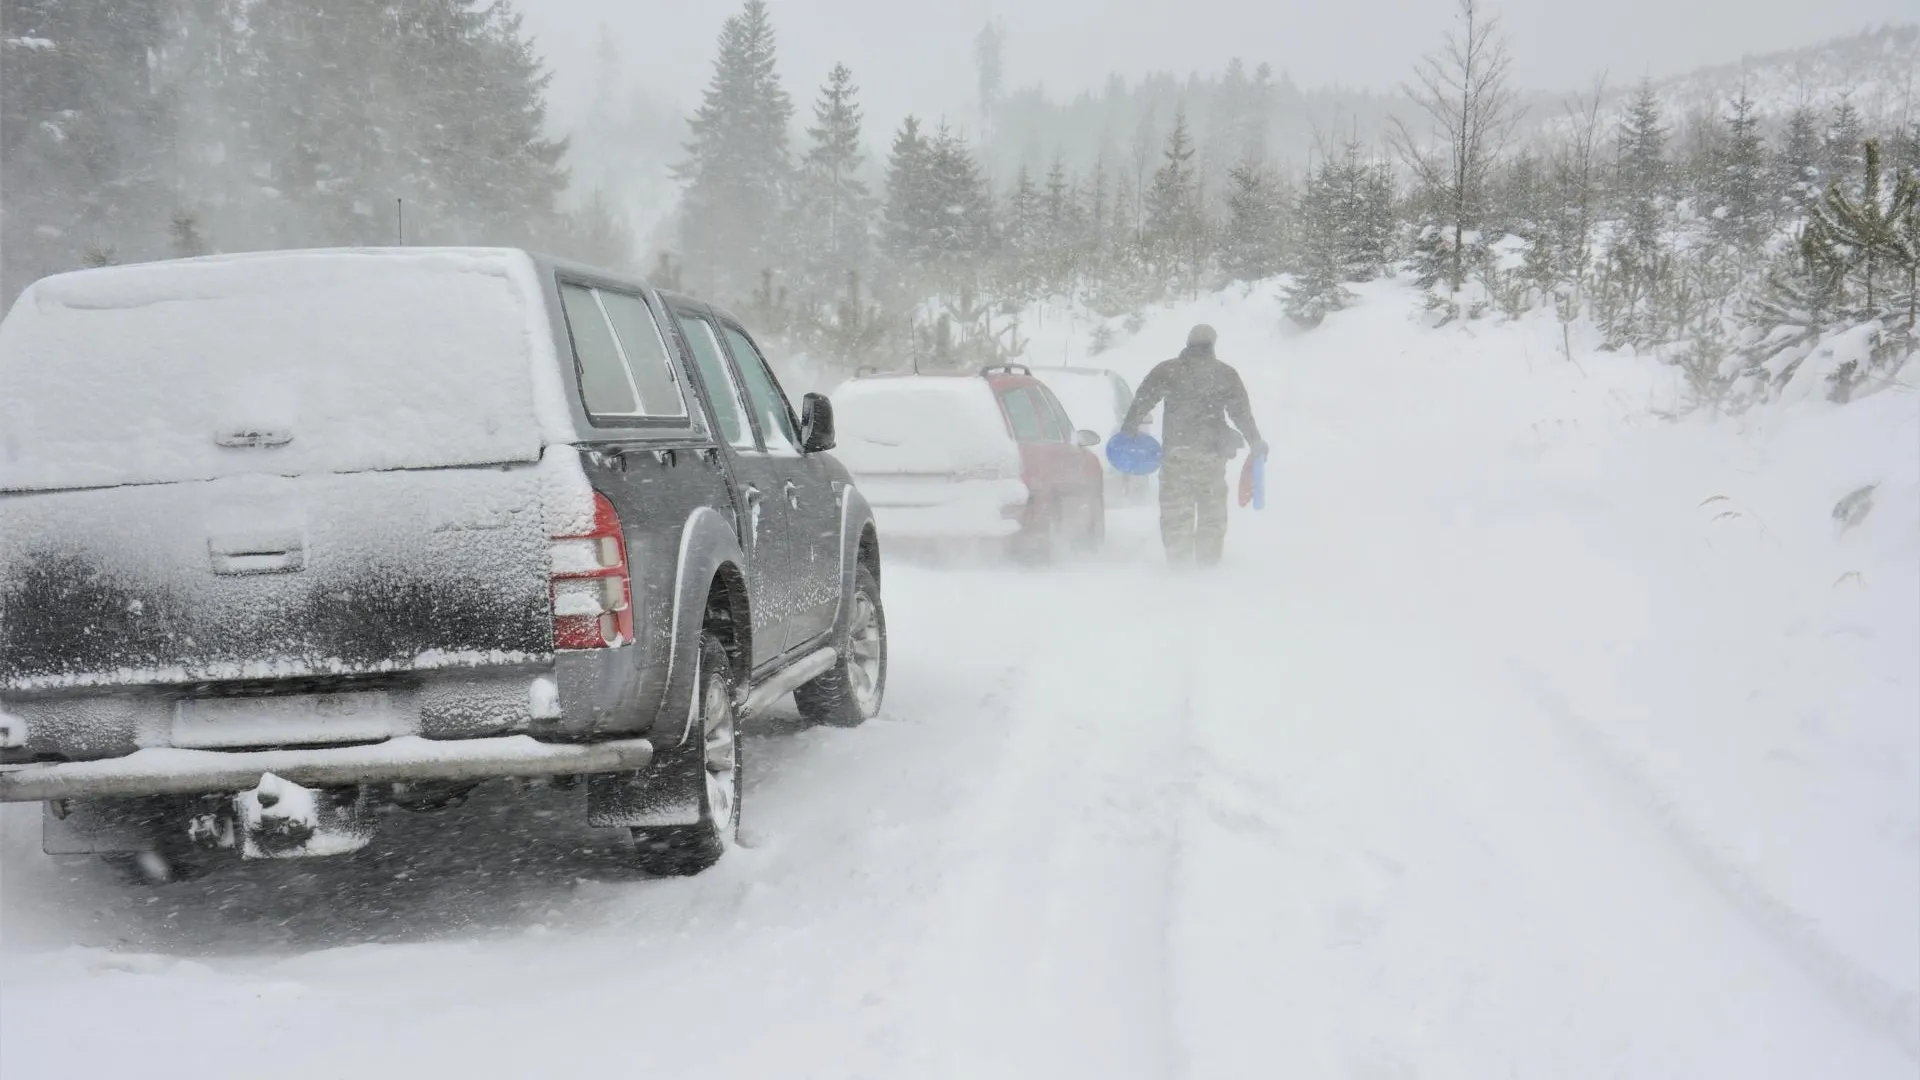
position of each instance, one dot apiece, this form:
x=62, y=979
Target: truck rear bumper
x=405, y=759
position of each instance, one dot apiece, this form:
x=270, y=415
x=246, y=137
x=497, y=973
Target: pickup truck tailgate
x=274, y=577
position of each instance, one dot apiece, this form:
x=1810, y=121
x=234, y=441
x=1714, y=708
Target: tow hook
x=279, y=819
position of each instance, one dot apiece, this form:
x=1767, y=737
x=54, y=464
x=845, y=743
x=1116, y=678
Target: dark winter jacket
x=1200, y=391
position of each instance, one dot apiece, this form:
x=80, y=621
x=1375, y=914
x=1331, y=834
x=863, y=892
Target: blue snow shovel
x=1135, y=455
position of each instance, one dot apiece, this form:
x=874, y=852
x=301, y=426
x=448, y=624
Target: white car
x=1097, y=400
x=990, y=457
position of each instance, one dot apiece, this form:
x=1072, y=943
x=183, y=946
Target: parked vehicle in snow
x=376, y=526
x=1097, y=400
x=987, y=457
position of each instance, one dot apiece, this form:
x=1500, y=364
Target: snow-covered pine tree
x=1797, y=168
x=1023, y=239
x=1741, y=212
x=906, y=224
x=86, y=135
x=1863, y=234
x=1318, y=261
x=493, y=158
x=1061, y=232
x=1575, y=202
x=1638, y=262
x=959, y=210
x=1250, y=242
x=1359, y=194
x=834, y=210
x=1257, y=116
x=1641, y=172
x=1842, y=144
x=1173, y=210
x=737, y=170
x=441, y=104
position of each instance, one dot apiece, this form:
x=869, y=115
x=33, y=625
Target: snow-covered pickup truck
x=289, y=537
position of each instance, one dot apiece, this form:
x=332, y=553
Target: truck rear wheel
x=679, y=850
x=849, y=694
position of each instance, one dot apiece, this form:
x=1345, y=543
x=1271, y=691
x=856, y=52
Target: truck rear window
x=286, y=364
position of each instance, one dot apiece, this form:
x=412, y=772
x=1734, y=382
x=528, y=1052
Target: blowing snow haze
x=918, y=56
x=867, y=538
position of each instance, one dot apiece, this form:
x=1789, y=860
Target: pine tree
x=1641, y=176
x=1798, y=167
x=959, y=209
x=83, y=135
x=1173, y=214
x=1250, y=246
x=834, y=209
x=1741, y=214
x=1638, y=266
x=1318, y=265
x=737, y=169
x=1865, y=239
x=440, y=104
x=185, y=233
x=1842, y=144
x=907, y=226
x=1025, y=235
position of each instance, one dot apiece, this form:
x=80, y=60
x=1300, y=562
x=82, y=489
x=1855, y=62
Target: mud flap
x=666, y=793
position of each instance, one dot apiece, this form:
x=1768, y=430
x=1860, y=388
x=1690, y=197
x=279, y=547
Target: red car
x=990, y=456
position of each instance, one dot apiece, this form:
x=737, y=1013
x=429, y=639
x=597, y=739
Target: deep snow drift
x=1523, y=734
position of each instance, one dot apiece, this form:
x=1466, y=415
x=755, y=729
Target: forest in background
x=1728, y=220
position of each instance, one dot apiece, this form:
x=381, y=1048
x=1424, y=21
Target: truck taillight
x=592, y=587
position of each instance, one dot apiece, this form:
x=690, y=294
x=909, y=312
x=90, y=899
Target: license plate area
x=284, y=720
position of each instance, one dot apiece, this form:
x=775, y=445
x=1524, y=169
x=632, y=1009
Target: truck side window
x=721, y=391
x=646, y=352
x=769, y=405
x=605, y=387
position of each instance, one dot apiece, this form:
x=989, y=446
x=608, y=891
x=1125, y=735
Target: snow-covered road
x=1483, y=756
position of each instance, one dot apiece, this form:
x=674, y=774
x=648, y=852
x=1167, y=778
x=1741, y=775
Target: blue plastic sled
x=1135, y=455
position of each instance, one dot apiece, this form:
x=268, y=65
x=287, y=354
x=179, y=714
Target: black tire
x=844, y=697
x=681, y=850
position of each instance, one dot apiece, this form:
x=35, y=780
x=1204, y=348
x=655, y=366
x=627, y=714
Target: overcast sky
x=917, y=54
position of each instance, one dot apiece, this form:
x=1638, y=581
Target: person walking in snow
x=1201, y=393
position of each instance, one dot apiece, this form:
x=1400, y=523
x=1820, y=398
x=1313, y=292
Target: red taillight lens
x=591, y=586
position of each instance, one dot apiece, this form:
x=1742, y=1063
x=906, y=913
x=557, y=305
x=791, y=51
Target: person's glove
x=1258, y=448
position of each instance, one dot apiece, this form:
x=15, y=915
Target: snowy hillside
x=1524, y=734
x=1878, y=71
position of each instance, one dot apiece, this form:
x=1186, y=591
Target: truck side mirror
x=816, y=423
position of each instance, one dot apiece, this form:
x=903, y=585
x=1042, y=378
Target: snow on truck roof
x=315, y=361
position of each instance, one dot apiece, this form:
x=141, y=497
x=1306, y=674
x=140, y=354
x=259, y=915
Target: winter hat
x=1201, y=336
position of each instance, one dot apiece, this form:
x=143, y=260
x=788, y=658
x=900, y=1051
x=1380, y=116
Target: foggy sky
x=917, y=54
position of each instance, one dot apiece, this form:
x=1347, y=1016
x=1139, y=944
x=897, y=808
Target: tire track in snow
x=1857, y=992
x=1044, y=920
